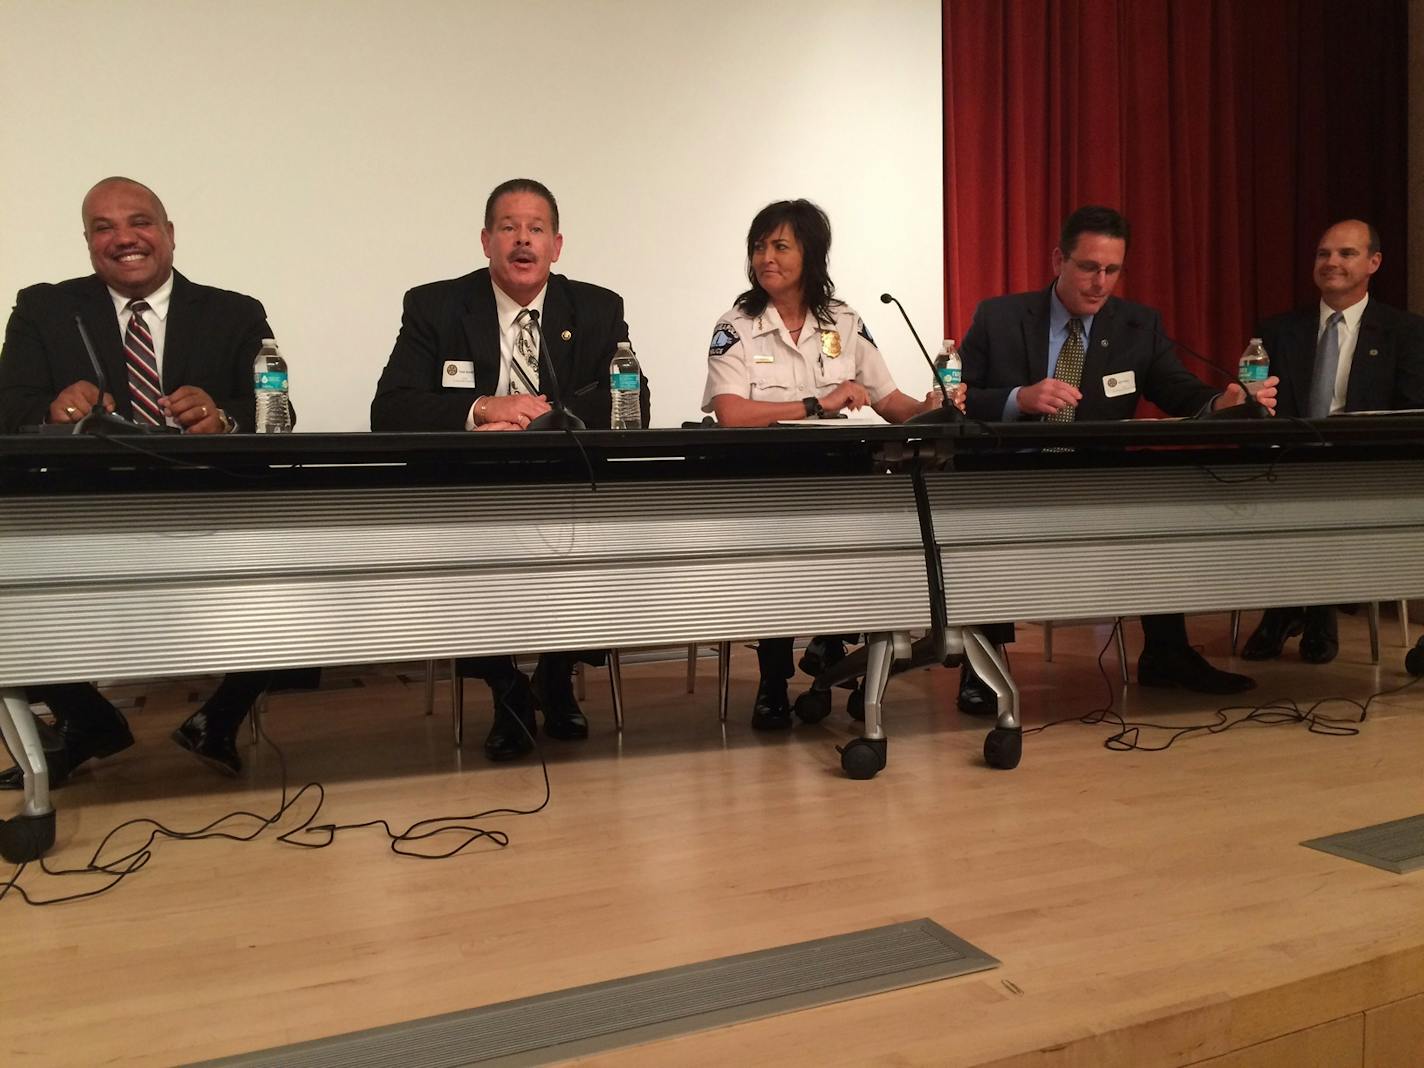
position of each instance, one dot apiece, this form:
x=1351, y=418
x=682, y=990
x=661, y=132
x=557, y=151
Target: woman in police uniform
x=788, y=349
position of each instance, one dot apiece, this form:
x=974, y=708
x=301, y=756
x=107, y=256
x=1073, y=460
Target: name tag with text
x=458, y=374
x=1120, y=383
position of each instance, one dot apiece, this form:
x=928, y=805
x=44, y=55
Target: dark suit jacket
x=1007, y=346
x=1387, y=370
x=210, y=339
x=456, y=320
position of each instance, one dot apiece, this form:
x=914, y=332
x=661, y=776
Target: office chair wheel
x=1003, y=748
x=26, y=838
x=813, y=706
x=862, y=758
x=855, y=703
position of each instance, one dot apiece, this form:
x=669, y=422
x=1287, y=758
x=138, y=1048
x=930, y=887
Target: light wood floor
x=1149, y=908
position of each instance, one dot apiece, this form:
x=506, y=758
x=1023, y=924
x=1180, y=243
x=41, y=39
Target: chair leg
x=1374, y=632
x=1048, y=641
x=1235, y=630
x=1404, y=623
x=724, y=677
x=457, y=704
x=259, y=709
x=692, y=669
x=1121, y=649
x=430, y=687
x=615, y=687
x=580, y=682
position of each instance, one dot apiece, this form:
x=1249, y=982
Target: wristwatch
x=813, y=407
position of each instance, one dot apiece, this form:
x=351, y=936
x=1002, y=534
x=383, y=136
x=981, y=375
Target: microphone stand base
x=942, y=416
x=557, y=419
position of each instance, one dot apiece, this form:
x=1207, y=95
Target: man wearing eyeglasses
x=1074, y=351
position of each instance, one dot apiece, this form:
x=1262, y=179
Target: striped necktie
x=524, y=364
x=1069, y=368
x=144, y=385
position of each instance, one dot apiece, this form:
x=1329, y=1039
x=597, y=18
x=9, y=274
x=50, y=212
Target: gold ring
x=205, y=411
x=69, y=409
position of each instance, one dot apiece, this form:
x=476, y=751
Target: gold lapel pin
x=567, y=335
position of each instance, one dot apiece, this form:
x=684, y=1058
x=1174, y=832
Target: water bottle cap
x=1255, y=341
x=625, y=345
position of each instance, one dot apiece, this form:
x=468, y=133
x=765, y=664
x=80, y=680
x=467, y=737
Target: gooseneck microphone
x=557, y=417
x=946, y=413
x=1250, y=409
x=99, y=421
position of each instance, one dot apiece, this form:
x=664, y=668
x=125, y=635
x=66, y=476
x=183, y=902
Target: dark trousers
x=774, y=654
x=493, y=669
x=79, y=708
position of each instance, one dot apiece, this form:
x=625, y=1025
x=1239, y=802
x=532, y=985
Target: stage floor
x=1148, y=907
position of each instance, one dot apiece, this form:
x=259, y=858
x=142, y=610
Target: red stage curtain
x=1229, y=132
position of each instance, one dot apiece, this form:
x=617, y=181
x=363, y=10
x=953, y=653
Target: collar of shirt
x=157, y=301
x=1350, y=320
x=507, y=309
x=1058, y=317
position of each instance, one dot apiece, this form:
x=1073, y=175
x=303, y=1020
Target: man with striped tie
x=175, y=353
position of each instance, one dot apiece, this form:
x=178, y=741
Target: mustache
x=523, y=255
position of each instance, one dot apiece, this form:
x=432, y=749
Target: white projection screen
x=326, y=155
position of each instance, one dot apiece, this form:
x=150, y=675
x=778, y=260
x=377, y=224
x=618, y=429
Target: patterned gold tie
x=524, y=364
x=1069, y=368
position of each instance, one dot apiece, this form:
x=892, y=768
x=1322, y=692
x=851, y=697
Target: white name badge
x=1119, y=384
x=458, y=374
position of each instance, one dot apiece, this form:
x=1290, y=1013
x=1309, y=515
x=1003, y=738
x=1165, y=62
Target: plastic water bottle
x=625, y=383
x=269, y=382
x=948, y=366
x=1255, y=366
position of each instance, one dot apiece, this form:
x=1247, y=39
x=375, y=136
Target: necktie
x=1069, y=368
x=1327, y=363
x=524, y=364
x=144, y=386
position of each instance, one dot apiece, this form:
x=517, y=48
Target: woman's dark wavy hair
x=813, y=230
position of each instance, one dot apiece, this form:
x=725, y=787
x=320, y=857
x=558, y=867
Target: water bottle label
x=950, y=376
x=626, y=381
x=1254, y=372
x=271, y=380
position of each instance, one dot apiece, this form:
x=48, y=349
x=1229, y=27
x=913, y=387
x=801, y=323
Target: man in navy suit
x=468, y=358
x=198, y=344
x=1075, y=351
x=1346, y=353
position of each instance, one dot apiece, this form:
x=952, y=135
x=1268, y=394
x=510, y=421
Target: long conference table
x=141, y=557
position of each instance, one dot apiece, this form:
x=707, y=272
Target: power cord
x=121, y=867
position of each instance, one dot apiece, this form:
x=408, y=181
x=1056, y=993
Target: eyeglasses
x=1088, y=267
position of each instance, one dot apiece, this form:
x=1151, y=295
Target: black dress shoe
x=976, y=697
x=1269, y=637
x=65, y=750
x=820, y=653
x=512, y=733
x=1187, y=669
x=215, y=748
x=554, y=692
x=772, y=711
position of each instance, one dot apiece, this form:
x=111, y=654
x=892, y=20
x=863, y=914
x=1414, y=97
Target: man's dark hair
x=522, y=185
x=813, y=230
x=1092, y=219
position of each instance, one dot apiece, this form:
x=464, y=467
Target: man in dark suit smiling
x=175, y=353
x=1347, y=353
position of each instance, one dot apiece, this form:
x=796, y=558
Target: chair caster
x=813, y=706
x=862, y=758
x=855, y=703
x=26, y=838
x=1003, y=748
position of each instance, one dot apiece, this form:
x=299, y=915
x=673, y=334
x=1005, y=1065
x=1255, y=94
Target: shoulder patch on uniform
x=864, y=332
x=724, y=336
